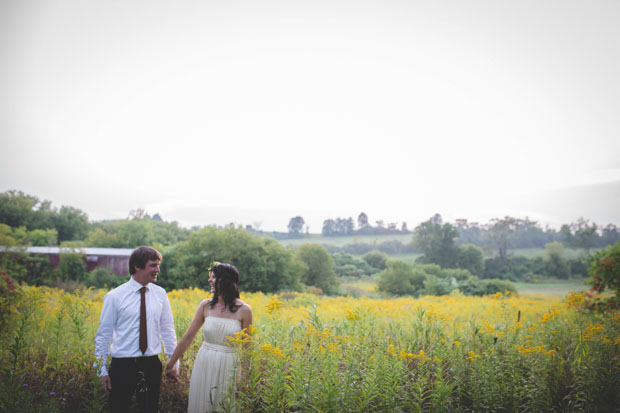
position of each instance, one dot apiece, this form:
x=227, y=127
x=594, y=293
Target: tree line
x=447, y=262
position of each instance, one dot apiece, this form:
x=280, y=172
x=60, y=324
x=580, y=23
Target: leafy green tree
x=295, y=226
x=605, y=269
x=376, y=259
x=437, y=242
x=556, y=264
x=6, y=236
x=346, y=265
x=471, y=258
x=18, y=209
x=71, y=224
x=43, y=237
x=581, y=234
x=167, y=233
x=329, y=227
x=362, y=220
x=400, y=278
x=72, y=267
x=101, y=239
x=610, y=234
x=104, y=278
x=263, y=263
x=320, y=267
x=500, y=232
x=134, y=233
x=437, y=286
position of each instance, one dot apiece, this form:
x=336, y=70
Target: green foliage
x=18, y=209
x=485, y=287
x=103, y=278
x=134, y=233
x=263, y=263
x=296, y=226
x=605, y=269
x=338, y=226
x=21, y=210
x=400, y=278
x=471, y=258
x=71, y=224
x=437, y=286
x=376, y=259
x=34, y=269
x=437, y=242
x=346, y=265
x=580, y=234
x=500, y=233
x=7, y=238
x=43, y=237
x=556, y=264
x=320, y=268
x=515, y=268
x=101, y=239
x=48, y=367
x=72, y=267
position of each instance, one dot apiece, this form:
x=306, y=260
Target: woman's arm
x=246, y=318
x=190, y=334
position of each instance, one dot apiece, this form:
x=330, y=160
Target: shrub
x=376, y=259
x=346, y=265
x=72, y=267
x=400, y=278
x=605, y=269
x=437, y=286
x=104, y=278
x=320, y=267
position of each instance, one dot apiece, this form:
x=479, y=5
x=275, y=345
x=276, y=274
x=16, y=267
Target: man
x=134, y=317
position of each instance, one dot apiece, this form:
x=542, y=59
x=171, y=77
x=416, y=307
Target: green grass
x=569, y=253
x=553, y=288
x=365, y=287
x=342, y=241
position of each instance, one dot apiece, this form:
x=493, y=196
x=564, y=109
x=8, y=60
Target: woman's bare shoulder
x=243, y=306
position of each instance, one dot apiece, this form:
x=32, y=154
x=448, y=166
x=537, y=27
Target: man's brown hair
x=140, y=256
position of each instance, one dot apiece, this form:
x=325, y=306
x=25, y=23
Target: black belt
x=136, y=359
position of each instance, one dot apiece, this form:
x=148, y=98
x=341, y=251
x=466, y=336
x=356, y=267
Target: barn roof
x=110, y=252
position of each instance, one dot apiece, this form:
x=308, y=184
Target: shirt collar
x=136, y=286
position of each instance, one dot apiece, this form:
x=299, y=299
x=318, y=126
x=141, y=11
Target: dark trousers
x=139, y=375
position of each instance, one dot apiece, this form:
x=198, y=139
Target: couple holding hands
x=136, y=319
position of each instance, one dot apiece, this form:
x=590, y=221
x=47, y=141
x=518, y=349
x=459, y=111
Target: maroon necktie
x=143, y=339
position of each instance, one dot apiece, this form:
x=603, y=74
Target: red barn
x=114, y=259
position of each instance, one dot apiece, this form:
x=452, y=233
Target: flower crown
x=213, y=265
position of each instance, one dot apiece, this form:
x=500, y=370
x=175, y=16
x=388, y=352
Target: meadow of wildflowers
x=308, y=353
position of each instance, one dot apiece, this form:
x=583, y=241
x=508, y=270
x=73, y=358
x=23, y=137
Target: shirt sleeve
x=104, y=334
x=168, y=333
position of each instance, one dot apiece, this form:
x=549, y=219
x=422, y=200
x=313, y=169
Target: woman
x=223, y=315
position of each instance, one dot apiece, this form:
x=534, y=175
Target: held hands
x=172, y=373
x=106, y=383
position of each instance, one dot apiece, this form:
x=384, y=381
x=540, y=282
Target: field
x=552, y=288
x=342, y=241
x=569, y=253
x=309, y=353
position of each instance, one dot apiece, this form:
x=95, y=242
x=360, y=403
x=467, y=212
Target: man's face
x=148, y=274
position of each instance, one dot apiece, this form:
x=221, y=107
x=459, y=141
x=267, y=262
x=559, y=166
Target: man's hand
x=107, y=384
x=172, y=373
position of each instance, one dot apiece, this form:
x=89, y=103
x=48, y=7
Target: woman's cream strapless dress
x=215, y=366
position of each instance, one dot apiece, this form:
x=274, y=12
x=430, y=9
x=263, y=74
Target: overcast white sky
x=254, y=111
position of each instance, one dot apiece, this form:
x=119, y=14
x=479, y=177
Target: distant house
x=114, y=259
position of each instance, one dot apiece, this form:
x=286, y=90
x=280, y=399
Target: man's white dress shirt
x=120, y=323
